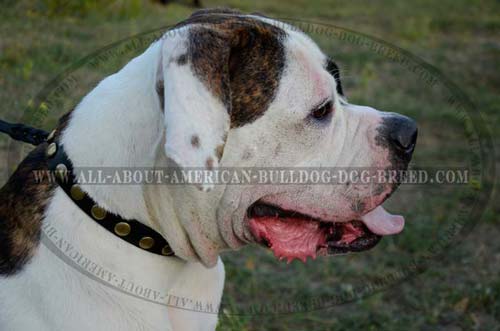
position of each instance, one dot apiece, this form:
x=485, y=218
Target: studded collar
x=132, y=231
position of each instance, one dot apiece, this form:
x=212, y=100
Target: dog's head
x=246, y=91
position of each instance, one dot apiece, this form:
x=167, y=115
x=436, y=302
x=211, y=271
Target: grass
x=459, y=290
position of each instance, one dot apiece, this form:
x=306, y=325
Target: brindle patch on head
x=22, y=207
x=239, y=58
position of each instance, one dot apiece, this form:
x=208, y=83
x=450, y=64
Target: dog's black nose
x=402, y=134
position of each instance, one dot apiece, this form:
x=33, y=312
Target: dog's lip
x=361, y=244
x=377, y=220
x=372, y=226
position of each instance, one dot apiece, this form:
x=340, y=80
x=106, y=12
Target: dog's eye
x=322, y=111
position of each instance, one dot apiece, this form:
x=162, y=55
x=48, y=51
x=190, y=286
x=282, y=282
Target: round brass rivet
x=51, y=149
x=166, y=250
x=61, y=172
x=98, y=213
x=146, y=242
x=122, y=229
x=51, y=135
x=76, y=192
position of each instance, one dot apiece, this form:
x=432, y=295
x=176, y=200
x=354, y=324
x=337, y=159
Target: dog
x=225, y=90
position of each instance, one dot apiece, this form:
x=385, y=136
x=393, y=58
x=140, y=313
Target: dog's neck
x=120, y=124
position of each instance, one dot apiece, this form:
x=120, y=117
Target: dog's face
x=271, y=98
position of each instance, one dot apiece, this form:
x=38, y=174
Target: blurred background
x=459, y=290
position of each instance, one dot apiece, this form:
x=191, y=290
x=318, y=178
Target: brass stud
x=166, y=250
x=61, y=172
x=122, y=229
x=51, y=149
x=51, y=135
x=98, y=213
x=77, y=192
x=146, y=242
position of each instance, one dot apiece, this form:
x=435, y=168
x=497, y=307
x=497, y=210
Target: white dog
x=221, y=90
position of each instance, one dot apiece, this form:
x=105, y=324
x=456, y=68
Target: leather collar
x=132, y=231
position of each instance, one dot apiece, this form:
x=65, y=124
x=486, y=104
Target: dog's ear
x=196, y=100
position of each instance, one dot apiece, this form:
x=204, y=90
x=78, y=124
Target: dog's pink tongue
x=380, y=222
x=289, y=238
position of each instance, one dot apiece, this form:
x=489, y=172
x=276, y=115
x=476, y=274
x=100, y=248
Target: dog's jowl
x=221, y=90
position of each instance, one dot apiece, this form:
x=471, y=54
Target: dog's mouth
x=293, y=235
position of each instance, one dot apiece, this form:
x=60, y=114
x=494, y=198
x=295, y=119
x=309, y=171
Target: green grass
x=460, y=289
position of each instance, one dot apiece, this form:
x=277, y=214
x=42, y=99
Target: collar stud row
x=132, y=231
